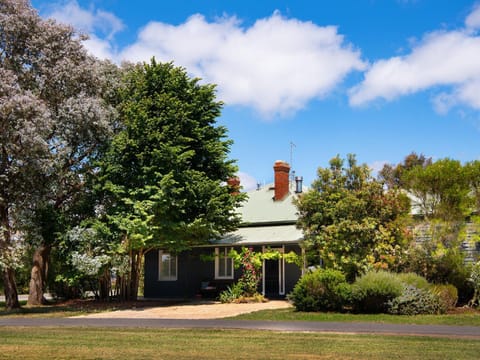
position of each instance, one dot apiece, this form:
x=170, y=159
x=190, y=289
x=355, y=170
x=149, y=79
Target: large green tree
x=472, y=173
x=393, y=175
x=441, y=190
x=53, y=118
x=350, y=220
x=164, y=177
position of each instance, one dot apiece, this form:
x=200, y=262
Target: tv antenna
x=292, y=146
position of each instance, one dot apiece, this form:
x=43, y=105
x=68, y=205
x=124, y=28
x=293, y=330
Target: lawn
x=82, y=307
x=465, y=317
x=94, y=343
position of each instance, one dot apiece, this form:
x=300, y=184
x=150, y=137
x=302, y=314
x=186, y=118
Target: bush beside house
x=373, y=292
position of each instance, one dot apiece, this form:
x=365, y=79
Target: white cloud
x=247, y=181
x=275, y=66
x=442, y=59
x=101, y=26
x=473, y=19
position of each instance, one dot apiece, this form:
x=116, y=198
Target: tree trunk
x=38, y=276
x=9, y=284
x=11, y=294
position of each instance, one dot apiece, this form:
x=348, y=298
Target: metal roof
x=261, y=208
x=262, y=235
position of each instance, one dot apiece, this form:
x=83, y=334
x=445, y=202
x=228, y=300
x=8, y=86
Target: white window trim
x=169, y=278
x=217, y=263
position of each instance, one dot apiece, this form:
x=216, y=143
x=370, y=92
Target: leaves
x=350, y=220
x=170, y=159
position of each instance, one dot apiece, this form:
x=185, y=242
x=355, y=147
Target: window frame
x=221, y=254
x=170, y=277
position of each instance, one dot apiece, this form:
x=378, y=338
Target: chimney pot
x=282, y=170
x=234, y=184
x=298, y=183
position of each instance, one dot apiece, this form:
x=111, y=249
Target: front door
x=274, y=276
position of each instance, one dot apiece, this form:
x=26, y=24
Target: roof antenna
x=292, y=146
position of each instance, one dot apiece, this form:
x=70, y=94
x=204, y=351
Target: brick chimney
x=282, y=170
x=234, y=184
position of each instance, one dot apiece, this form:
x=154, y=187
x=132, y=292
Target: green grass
x=468, y=318
x=94, y=343
x=54, y=310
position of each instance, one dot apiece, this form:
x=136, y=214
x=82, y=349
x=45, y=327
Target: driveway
x=190, y=311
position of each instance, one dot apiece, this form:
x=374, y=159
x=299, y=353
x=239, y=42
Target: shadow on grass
x=64, y=308
x=52, y=309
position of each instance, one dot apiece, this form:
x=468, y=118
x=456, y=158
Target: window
x=223, y=264
x=167, y=266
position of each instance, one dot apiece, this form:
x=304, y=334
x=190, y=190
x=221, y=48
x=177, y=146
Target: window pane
x=221, y=266
x=229, y=265
x=167, y=266
x=223, y=263
x=173, y=267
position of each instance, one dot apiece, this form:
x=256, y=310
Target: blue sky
x=377, y=78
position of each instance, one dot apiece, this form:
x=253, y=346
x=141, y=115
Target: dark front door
x=271, y=278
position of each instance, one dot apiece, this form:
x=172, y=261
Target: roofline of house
x=268, y=223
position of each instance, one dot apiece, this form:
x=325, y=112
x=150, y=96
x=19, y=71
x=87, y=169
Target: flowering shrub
x=251, y=264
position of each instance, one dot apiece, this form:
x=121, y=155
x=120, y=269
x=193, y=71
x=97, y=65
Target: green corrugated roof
x=261, y=208
x=262, y=235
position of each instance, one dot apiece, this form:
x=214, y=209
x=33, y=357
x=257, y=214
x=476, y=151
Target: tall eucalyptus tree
x=53, y=118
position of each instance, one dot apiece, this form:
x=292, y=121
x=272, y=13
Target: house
x=269, y=222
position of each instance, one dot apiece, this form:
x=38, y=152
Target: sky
x=303, y=81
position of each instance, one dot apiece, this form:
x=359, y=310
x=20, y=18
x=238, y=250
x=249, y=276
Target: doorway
x=274, y=276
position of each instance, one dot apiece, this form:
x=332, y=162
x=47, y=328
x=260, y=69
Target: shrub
x=474, y=279
x=321, y=290
x=447, y=295
x=414, y=279
x=232, y=293
x=372, y=291
x=415, y=301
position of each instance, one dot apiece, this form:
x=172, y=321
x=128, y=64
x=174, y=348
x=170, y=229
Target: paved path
x=293, y=326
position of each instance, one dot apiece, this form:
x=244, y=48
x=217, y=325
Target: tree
x=165, y=172
x=441, y=188
x=392, y=175
x=350, y=220
x=53, y=119
x=472, y=171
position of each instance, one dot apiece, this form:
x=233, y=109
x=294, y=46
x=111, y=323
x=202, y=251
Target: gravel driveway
x=209, y=310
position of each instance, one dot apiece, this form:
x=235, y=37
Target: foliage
x=414, y=280
x=441, y=190
x=351, y=220
x=472, y=173
x=393, y=175
x=251, y=274
x=87, y=261
x=162, y=178
x=475, y=280
x=320, y=290
x=54, y=119
x=438, y=256
x=447, y=295
x=232, y=293
x=251, y=263
x=372, y=292
x=415, y=301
